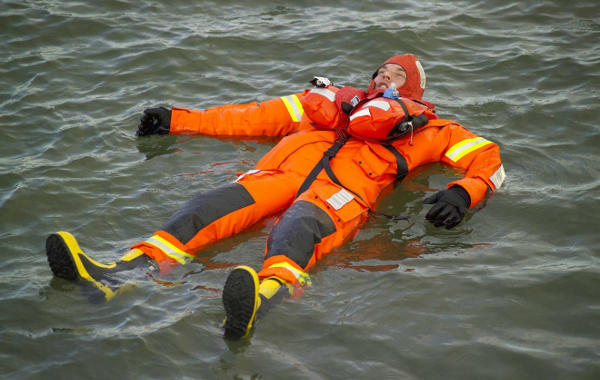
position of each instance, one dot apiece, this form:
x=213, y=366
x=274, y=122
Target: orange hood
x=415, y=76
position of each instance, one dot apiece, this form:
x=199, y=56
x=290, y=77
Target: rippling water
x=512, y=293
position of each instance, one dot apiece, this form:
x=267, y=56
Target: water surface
x=511, y=293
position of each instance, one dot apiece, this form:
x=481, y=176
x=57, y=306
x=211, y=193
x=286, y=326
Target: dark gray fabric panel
x=298, y=230
x=206, y=208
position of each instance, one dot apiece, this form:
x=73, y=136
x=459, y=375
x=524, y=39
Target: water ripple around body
x=509, y=294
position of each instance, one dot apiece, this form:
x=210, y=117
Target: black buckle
x=332, y=151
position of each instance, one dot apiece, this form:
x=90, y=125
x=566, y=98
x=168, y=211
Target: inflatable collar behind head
x=415, y=76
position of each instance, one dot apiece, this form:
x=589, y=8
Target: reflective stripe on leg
x=169, y=249
x=285, y=269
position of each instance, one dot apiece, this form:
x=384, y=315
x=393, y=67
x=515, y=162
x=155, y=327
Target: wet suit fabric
x=327, y=214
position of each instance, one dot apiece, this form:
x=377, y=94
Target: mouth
x=382, y=86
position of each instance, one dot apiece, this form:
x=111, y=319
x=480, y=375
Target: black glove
x=155, y=121
x=449, y=207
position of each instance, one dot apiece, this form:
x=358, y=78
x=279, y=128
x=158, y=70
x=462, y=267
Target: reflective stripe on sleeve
x=302, y=277
x=294, y=107
x=169, y=249
x=465, y=147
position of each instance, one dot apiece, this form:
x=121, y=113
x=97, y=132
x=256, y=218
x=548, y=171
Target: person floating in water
x=340, y=148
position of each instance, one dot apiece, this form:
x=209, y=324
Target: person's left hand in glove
x=449, y=207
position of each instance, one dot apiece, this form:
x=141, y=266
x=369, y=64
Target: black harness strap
x=324, y=164
x=310, y=178
x=402, y=169
x=330, y=173
x=343, y=137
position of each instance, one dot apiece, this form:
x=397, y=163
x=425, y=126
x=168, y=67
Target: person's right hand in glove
x=155, y=121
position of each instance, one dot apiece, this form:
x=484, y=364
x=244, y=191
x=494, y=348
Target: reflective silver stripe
x=498, y=177
x=421, y=74
x=330, y=95
x=292, y=103
x=340, y=199
x=363, y=112
x=249, y=172
x=287, y=266
x=379, y=104
x=169, y=249
x=302, y=277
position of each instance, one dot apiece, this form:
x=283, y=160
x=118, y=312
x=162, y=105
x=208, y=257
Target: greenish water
x=511, y=294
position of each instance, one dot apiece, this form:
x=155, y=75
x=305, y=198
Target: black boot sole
x=240, y=299
x=59, y=258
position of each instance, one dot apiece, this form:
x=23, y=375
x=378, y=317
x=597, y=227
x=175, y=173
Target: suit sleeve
x=478, y=156
x=451, y=143
x=275, y=117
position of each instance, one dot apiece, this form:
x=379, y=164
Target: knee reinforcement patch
x=298, y=230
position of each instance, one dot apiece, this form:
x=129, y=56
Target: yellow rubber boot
x=67, y=260
x=271, y=292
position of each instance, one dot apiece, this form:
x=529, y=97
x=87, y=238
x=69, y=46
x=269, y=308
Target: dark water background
x=511, y=294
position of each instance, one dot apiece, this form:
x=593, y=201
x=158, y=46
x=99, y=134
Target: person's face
x=388, y=74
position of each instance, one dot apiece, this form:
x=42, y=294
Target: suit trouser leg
x=320, y=219
x=220, y=213
x=310, y=228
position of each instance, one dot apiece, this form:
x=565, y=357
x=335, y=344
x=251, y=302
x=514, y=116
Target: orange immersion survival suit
x=328, y=212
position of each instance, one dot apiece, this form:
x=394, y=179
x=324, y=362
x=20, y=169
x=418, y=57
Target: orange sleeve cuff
x=476, y=188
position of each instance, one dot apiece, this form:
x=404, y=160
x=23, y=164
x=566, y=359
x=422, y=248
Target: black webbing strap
x=400, y=127
x=406, y=113
x=324, y=164
x=402, y=169
x=391, y=217
x=332, y=176
x=329, y=171
x=310, y=178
